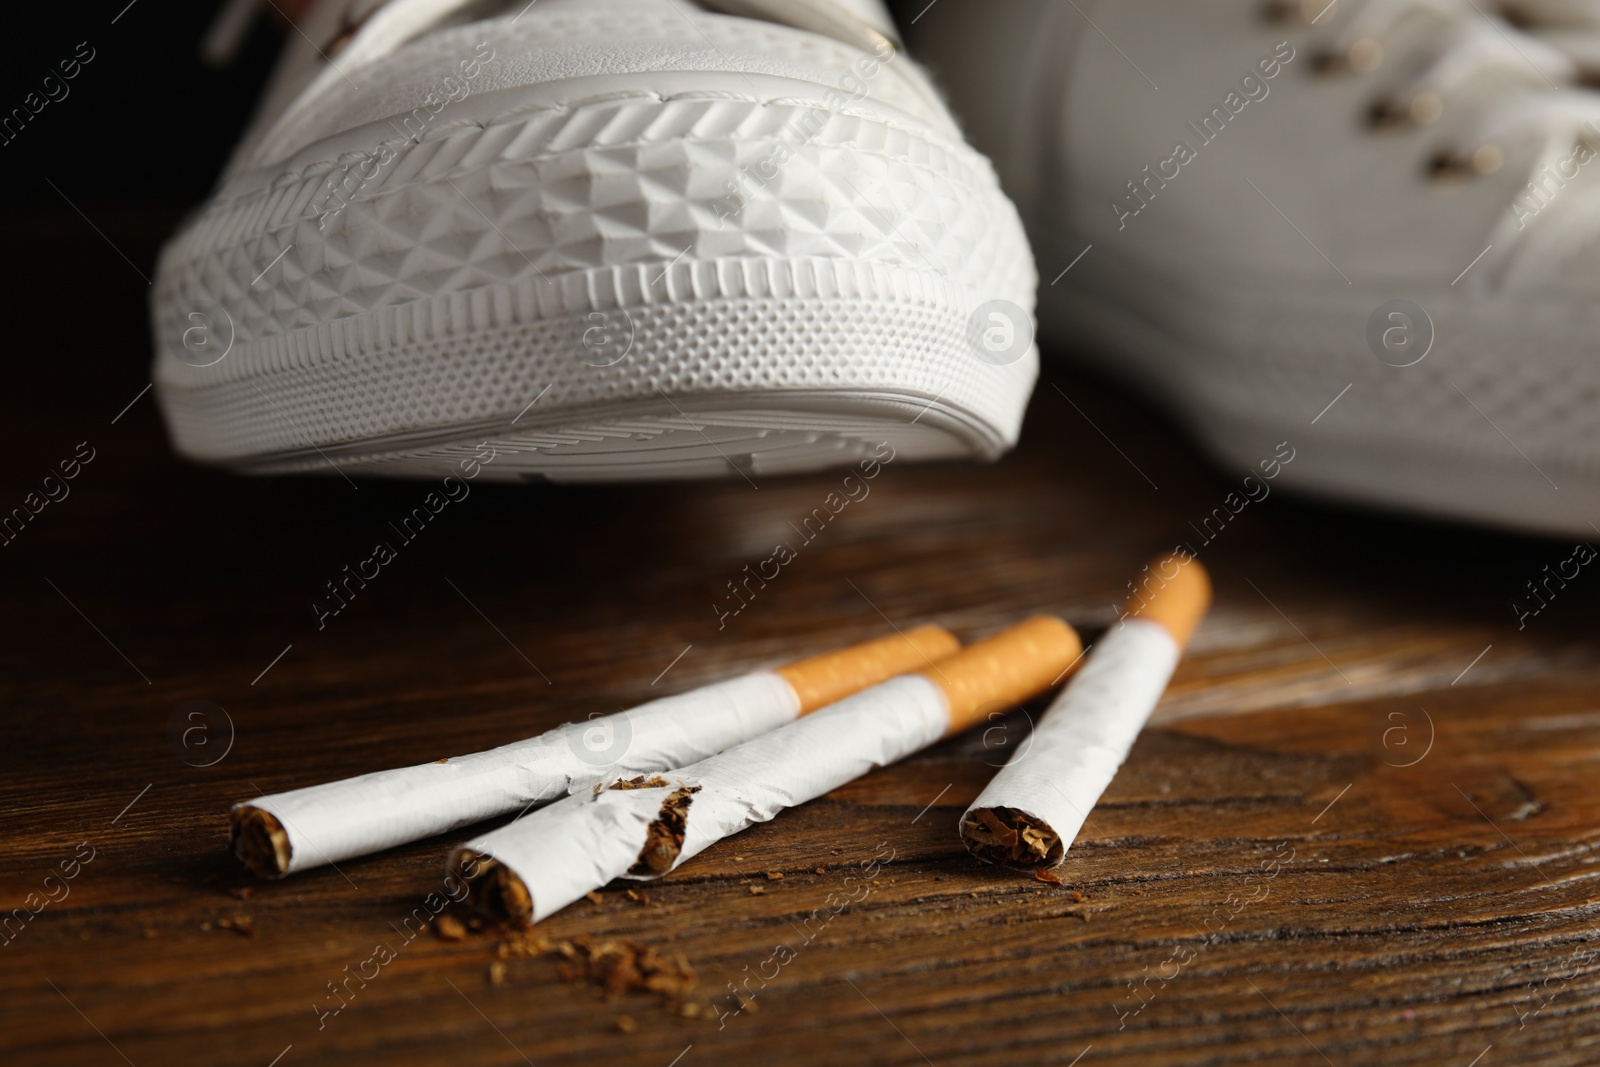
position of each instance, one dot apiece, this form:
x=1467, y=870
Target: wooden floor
x=1360, y=708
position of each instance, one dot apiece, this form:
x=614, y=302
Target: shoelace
x=1550, y=46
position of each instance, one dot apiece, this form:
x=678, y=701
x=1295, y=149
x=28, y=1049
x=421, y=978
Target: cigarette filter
x=1033, y=809
x=288, y=832
x=643, y=828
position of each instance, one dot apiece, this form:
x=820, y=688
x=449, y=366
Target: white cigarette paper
x=357, y=816
x=1058, y=775
x=288, y=832
x=1030, y=814
x=585, y=841
x=534, y=867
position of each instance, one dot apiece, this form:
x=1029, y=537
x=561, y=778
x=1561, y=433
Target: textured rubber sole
x=671, y=389
x=581, y=284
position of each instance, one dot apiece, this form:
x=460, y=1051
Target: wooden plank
x=1433, y=809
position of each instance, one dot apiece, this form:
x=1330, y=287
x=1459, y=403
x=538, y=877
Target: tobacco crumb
x=664, y=838
x=1045, y=874
x=449, y=927
x=1077, y=897
x=593, y=896
x=640, y=897
x=445, y=760
x=1011, y=838
x=626, y=1024
x=774, y=876
x=689, y=1009
x=240, y=892
x=738, y=857
x=619, y=967
x=151, y=931
x=522, y=944
x=205, y=926
x=239, y=924
x=756, y=890
x=497, y=973
x=822, y=870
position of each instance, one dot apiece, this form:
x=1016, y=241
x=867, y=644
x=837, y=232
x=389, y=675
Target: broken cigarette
x=1031, y=812
x=642, y=828
x=288, y=832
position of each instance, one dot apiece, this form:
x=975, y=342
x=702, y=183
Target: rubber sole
x=1468, y=432
x=578, y=283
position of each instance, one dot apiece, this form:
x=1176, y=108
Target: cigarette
x=295, y=831
x=645, y=827
x=1031, y=811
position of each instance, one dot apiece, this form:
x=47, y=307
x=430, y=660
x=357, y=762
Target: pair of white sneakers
x=626, y=239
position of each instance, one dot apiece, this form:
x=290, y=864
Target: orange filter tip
x=1174, y=591
x=832, y=676
x=1006, y=669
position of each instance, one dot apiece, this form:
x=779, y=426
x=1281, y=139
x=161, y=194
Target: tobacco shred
x=664, y=838
x=260, y=842
x=498, y=892
x=615, y=967
x=640, y=782
x=1011, y=838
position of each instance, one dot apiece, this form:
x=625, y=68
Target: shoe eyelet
x=1365, y=55
x=1485, y=159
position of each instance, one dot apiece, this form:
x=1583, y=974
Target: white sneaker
x=612, y=238
x=1369, y=228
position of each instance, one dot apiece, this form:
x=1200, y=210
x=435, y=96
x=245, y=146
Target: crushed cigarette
x=303, y=828
x=568, y=849
x=664, y=837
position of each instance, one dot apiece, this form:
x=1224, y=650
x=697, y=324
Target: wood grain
x=1420, y=914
